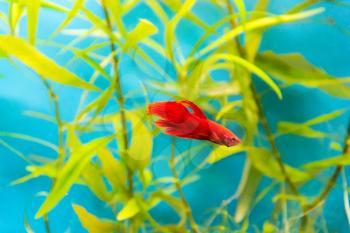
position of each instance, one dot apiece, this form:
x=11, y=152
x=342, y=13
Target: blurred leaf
x=258, y=24
x=99, y=103
x=294, y=69
x=170, y=28
x=176, y=5
x=113, y=169
x=266, y=164
x=29, y=139
x=140, y=150
x=15, y=151
x=116, y=8
x=317, y=166
x=93, y=224
x=146, y=177
x=246, y=191
x=336, y=146
x=174, y=202
x=27, y=225
x=289, y=197
x=49, y=170
x=158, y=10
x=92, y=176
x=16, y=11
x=247, y=65
x=143, y=30
x=73, y=140
x=221, y=152
x=226, y=108
x=130, y=209
x=96, y=66
x=269, y=228
x=303, y=129
x=298, y=129
x=253, y=38
x=40, y=63
x=78, y=4
x=219, y=89
x=53, y=6
x=33, y=7
x=241, y=9
x=70, y=172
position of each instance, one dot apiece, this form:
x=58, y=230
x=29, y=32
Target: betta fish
x=184, y=119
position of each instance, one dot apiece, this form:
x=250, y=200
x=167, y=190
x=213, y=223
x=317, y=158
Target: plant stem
x=179, y=189
x=54, y=99
x=262, y=115
x=332, y=180
x=47, y=225
x=120, y=97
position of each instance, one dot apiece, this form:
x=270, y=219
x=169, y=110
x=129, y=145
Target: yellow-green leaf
x=263, y=161
x=249, y=66
x=258, y=24
x=130, y=209
x=171, y=26
x=295, y=69
x=93, y=178
x=93, y=224
x=33, y=7
x=143, y=30
x=246, y=191
x=16, y=11
x=298, y=129
x=341, y=160
x=113, y=169
x=226, y=108
x=49, y=170
x=221, y=152
x=70, y=172
x=41, y=64
x=71, y=15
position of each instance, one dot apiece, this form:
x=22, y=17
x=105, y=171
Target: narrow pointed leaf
x=33, y=7
x=130, y=209
x=41, y=64
x=93, y=224
x=70, y=173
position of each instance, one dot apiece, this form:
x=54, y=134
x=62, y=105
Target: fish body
x=184, y=119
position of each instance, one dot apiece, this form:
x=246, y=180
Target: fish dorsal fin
x=196, y=110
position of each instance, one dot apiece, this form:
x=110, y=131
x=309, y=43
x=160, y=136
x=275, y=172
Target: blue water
x=21, y=91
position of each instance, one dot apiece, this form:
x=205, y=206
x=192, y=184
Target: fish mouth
x=232, y=142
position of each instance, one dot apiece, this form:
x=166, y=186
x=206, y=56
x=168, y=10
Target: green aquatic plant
x=116, y=165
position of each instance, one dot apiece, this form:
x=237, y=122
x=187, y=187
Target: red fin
x=196, y=110
x=178, y=121
x=171, y=111
x=186, y=129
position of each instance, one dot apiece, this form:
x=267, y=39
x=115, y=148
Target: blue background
x=322, y=44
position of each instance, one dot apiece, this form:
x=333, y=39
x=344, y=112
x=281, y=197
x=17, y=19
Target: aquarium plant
x=109, y=144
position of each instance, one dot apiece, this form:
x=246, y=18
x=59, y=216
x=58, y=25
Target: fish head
x=231, y=140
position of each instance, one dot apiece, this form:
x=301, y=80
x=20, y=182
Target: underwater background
x=324, y=40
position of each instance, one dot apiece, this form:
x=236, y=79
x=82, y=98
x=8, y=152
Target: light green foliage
x=93, y=224
x=41, y=64
x=70, y=172
x=117, y=168
x=294, y=69
x=303, y=129
x=130, y=209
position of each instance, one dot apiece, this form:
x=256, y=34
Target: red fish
x=179, y=121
